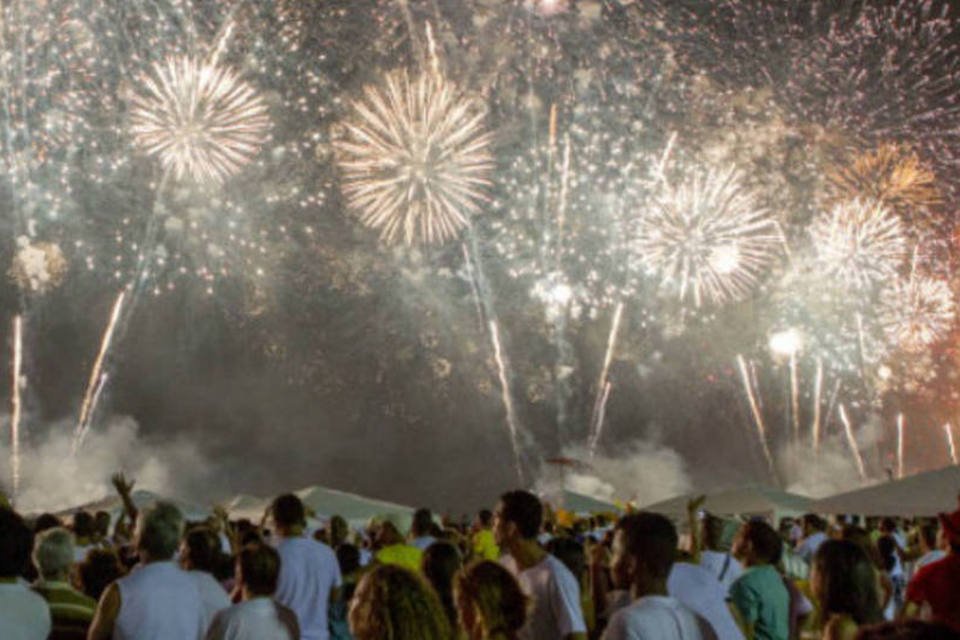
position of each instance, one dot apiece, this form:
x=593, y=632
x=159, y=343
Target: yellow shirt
x=484, y=545
x=401, y=555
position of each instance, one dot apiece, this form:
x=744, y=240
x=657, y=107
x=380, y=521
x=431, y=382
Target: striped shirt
x=70, y=610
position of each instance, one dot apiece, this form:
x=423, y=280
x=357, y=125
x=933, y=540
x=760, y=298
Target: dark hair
x=887, y=547
x=422, y=522
x=348, y=557
x=814, y=521
x=441, y=562
x=494, y=594
x=928, y=533
x=523, y=509
x=888, y=525
x=203, y=548
x=485, y=516
x=102, y=520
x=713, y=532
x=652, y=538
x=16, y=542
x=766, y=543
x=97, y=570
x=847, y=582
x=907, y=630
x=570, y=552
x=84, y=526
x=339, y=530
x=288, y=511
x=260, y=569
x=46, y=521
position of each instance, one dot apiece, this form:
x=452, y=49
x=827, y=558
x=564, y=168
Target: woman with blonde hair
x=393, y=603
x=489, y=601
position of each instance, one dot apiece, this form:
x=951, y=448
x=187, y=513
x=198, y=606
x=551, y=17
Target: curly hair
x=392, y=603
x=489, y=595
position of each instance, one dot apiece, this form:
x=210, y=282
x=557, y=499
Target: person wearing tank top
x=158, y=600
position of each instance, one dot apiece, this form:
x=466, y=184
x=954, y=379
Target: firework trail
x=603, y=385
x=817, y=389
x=757, y=415
x=951, y=444
x=794, y=396
x=97, y=379
x=415, y=159
x=852, y=441
x=15, y=408
x=506, y=395
x=900, y=445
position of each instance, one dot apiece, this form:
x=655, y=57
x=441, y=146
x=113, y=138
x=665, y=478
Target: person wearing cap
x=934, y=592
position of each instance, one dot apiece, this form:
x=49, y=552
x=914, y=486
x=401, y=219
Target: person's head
x=518, y=516
x=489, y=600
x=102, y=524
x=53, y=553
x=756, y=543
x=422, y=523
x=950, y=529
x=46, y=521
x=888, y=526
x=84, y=526
x=812, y=523
x=644, y=547
x=200, y=550
x=97, y=570
x=570, y=552
x=928, y=535
x=485, y=518
x=441, y=561
x=887, y=547
x=258, y=568
x=158, y=531
x=338, y=531
x=16, y=541
x=713, y=532
x=845, y=583
x=388, y=535
x=288, y=513
x=348, y=557
x=392, y=603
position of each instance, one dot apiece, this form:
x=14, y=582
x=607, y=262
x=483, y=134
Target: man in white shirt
x=309, y=572
x=420, y=529
x=554, y=591
x=24, y=615
x=158, y=600
x=258, y=616
x=814, y=534
x=700, y=590
x=715, y=556
x=644, y=545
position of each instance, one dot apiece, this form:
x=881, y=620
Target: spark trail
x=97, y=377
x=852, y=441
x=15, y=408
x=757, y=414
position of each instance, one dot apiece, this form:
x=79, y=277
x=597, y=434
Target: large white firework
x=916, y=312
x=708, y=237
x=415, y=159
x=201, y=119
x=859, y=243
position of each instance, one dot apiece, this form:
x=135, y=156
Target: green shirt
x=763, y=601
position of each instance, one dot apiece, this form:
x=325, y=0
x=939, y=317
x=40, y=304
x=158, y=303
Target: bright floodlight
x=786, y=343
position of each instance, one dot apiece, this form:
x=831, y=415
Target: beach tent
x=141, y=498
x=247, y=506
x=585, y=505
x=744, y=501
x=357, y=510
x=924, y=494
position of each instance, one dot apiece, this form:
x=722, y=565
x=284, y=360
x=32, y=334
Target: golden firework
x=891, y=175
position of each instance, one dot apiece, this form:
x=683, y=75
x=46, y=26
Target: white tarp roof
x=924, y=494
x=355, y=509
x=583, y=504
x=753, y=500
x=141, y=499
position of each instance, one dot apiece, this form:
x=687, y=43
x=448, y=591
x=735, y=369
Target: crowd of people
x=515, y=573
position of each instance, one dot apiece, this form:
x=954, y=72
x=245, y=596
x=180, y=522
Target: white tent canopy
x=141, y=498
x=924, y=494
x=355, y=509
x=582, y=504
x=745, y=501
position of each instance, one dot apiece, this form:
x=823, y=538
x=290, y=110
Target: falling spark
x=415, y=159
x=88, y=406
x=200, y=119
x=601, y=410
x=859, y=243
x=795, y=396
x=900, y=445
x=507, y=399
x=951, y=445
x=817, y=389
x=757, y=415
x=708, y=237
x=603, y=383
x=15, y=408
x=852, y=441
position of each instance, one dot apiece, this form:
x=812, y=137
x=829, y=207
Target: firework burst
x=415, y=159
x=890, y=174
x=917, y=312
x=200, y=119
x=859, y=243
x=708, y=238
